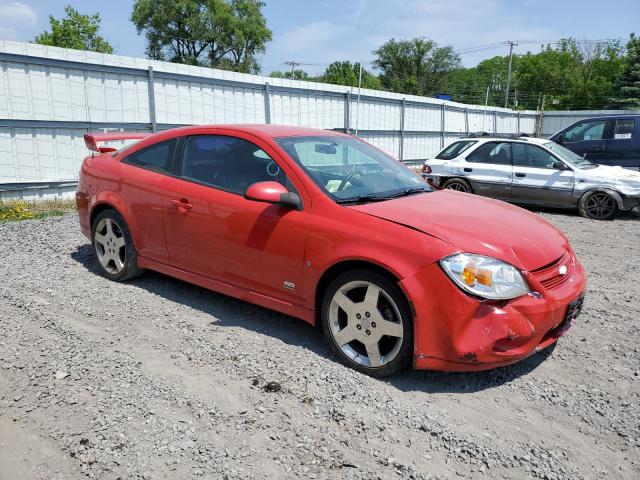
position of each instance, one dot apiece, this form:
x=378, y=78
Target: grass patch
x=16, y=210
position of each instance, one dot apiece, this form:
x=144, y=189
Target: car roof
x=498, y=138
x=608, y=117
x=264, y=130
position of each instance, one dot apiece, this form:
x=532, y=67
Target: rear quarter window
x=454, y=150
x=154, y=157
x=625, y=129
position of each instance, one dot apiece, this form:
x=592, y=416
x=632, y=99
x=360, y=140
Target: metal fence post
x=152, y=100
x=442, y=124
x=518, y=123
x=495, y=121
x=347, y=112
x=466, y=120
x=402, y=110
x=267, y=104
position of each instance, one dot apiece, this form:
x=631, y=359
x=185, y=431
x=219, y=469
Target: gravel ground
x=160, y=379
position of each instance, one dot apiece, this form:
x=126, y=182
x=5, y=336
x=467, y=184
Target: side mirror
x=274, y=193
x=560, y=139
x=558, y=165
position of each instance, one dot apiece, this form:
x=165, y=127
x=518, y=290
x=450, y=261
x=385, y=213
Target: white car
x=534, y=171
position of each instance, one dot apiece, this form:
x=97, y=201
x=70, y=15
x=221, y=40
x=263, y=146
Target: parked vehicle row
x=532, y=171
x=324, y=227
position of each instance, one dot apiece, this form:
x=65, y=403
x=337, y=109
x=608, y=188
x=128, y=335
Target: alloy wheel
x=458, y=187
x=366, y=324
x=110, y=246
x=600, y=205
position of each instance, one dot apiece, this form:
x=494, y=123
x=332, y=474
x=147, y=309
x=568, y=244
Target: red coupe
x=324, y=227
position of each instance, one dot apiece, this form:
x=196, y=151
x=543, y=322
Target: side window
x=454, y=150
x=625, y=129
x=497, y=153
x=228, y=163
x=586, y=131
x=155, y=157
x=531, y=156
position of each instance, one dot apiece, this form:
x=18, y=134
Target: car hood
x=476, y=224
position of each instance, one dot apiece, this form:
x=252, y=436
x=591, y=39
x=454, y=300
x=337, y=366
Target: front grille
x=549, y=275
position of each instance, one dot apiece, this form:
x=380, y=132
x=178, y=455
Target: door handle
x=467, y=169
x=182, y=203
x=599, y=148
x=520, y=174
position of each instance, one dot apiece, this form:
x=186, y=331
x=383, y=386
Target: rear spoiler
x=91, y=139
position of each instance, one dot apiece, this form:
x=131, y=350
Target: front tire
x=113, y=247
x=598, y=206
x=368, y=323
x=457, y=184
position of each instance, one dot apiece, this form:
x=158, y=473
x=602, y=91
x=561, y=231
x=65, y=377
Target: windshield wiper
x=380, y=198
x=362, y=199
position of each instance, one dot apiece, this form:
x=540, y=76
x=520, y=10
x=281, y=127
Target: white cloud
x=15, y=16
x=355, y=29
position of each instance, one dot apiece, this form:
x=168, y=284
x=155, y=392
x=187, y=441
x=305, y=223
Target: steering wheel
x=348, y=178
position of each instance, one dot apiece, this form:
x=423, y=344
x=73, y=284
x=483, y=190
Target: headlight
x=484, y=277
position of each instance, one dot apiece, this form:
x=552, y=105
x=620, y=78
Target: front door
x=537, y=178
x=588, y=139
x=212, y=230
x=489, y=170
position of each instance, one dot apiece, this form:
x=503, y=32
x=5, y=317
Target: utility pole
x=506, y=93
x=293, y=67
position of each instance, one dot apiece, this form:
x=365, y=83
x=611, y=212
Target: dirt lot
x=160, y=379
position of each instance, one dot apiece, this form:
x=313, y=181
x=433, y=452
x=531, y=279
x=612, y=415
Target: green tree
x=629, y=82
x=416, y=66
x=216, y=33
x=572, y=74
x=297, y=75
x=347, y=73
x=76, y=31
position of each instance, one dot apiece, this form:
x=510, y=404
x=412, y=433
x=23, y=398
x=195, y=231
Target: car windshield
x=350, y=170
x=568, y=156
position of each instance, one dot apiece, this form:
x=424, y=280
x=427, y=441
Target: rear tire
x=458, y=184
x=368, y=323
x=598, y=205
x=113, y=247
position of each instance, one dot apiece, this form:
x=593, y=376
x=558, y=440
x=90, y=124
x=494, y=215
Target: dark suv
x=612, y=140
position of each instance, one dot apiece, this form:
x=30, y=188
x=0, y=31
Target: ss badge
x=289, y=285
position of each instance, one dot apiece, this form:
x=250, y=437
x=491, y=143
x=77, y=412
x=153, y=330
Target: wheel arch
x=343, y=266
x=98, y=208
x=616, y=196
x=111, y=201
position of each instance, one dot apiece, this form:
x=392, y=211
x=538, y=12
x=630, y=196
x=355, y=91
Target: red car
x=324, y=227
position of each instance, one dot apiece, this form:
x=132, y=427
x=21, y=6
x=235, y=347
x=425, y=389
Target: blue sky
x=320, y=31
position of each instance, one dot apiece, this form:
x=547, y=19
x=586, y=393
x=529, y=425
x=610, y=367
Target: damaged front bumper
x=456, y=332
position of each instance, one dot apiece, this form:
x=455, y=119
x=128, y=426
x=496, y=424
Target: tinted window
x=228, y=163
x=531, y=156
x=454, y=150
x=625, y=128
x=593, y=130
x=155, y=157
x=497, y=153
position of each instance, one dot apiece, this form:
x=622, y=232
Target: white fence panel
x=421, y=147
x=49, y=97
